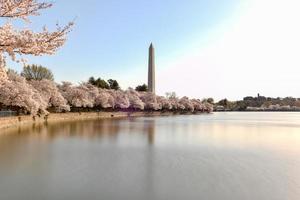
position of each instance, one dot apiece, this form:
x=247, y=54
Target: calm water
x=223, y=156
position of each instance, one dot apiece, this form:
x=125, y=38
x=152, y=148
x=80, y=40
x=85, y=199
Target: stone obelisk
x=151, y=70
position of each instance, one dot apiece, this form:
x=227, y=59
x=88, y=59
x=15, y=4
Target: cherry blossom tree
x=198, y=106
x=77, y=96
x=105, y=99
x=36, y=96
x=150, y=101
x=14, y=41
x=164, y=103
x=90, y=91
x=16, y=92
x=50, y=94
x=134, y=99
x=3, y=75
x=186, y=104
x=121, y=99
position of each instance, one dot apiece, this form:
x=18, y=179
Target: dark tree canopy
x=211, y=100
x=37, y=72
x=141, y=88
x=113, y=84
x=223, y=102
x=100, y=83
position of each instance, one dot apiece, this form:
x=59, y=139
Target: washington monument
x=151, y=70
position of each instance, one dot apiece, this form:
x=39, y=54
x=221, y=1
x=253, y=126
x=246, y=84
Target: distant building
x=219, y=108
x=151, y=70
x=249, y=108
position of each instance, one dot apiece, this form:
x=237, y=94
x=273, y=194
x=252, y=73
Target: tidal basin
x=219, y=156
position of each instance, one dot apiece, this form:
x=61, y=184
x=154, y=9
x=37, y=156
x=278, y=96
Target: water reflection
x=220, y=156
x=150, y=131
x=87, y=129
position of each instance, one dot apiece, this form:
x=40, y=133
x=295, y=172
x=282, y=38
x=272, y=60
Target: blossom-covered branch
x=28, y=42
x=20, y=42
x=21, y=8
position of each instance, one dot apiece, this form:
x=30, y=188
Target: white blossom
x=164, y=103
x=50, y=94
x=120, y=98
x=16, y=41
x=134, y=99
x=150, y=101
x=17, y=92
x=105, y=99
x=186, y=104
x=77, y=96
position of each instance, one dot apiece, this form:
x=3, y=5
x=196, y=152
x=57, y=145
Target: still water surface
x=220, y=156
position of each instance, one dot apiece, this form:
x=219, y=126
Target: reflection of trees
x=84, y=129
x=17, y=142
x=107, y=128
x=101, y=128
x=150, y=131
x=143, y=125
x=30, y=139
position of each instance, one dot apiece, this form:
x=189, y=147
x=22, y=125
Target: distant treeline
x=259, y=103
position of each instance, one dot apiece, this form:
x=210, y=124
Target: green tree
x=37, y=72
x=113, y=84
x=100, y=83
x=141, y=88
x=223, y=102
x=92, y=80
x=210, y=100
x=241, y=105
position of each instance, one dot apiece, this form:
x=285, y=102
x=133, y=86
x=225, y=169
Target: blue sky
x=195, y=42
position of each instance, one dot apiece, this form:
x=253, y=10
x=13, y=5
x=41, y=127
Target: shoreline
x=256, y=111
x=19, y=121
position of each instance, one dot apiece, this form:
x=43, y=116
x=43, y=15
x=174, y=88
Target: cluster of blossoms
x=31, y=96
x=38, y=97
x=16, y=42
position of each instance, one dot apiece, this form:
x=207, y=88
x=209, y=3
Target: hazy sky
x=204, y=48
